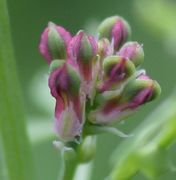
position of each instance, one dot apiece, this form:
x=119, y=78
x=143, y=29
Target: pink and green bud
x=136, y=93
x=67, y=124
x=116, y=29
x=83, y=50
x=104, y=48
x=64, y=83
x=133, y=51
x=140, y=91
x=116, y=71
x=54, y=42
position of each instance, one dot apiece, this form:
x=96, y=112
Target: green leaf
x=15, y=153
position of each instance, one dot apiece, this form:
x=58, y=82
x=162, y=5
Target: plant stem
x=74, y=170
x=70, y=169
x=78, y=162
x=14, y=145
x=84, y=171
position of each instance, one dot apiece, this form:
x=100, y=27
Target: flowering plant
x=96, y=82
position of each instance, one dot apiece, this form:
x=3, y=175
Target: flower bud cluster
x=94, y=80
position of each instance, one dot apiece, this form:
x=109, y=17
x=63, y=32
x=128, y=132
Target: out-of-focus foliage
x=148, y=150
x=159, y=16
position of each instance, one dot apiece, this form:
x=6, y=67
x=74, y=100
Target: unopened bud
x=83, y=50
x=116, y=70
x=133, y=51
x=64, y=83
x=115, y=29
x=63, y=77
x=140, y=91
x=54, y=42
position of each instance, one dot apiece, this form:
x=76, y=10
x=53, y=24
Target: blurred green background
x=28, y=19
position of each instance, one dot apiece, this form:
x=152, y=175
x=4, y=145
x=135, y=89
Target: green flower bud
x=54, y=42
x=133, y=51
x=141, y=90
x=115, y=29
x=116, y=70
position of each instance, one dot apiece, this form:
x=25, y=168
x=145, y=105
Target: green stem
x=70, y=169
x=15, y=151
x=84, y=171
x=74, y=170
x=82, y=154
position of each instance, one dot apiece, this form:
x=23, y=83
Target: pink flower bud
x=54, y=42
x=83, y=49
x=64, y=83
x=133, y=51
x=116, y=71
x=116, y=29
x=67, y=124
x=140, y=91
x=136, y=93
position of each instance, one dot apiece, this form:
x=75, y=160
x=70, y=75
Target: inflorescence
x=95, y=81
